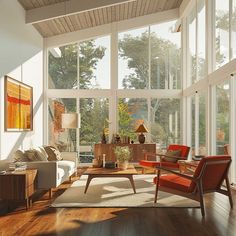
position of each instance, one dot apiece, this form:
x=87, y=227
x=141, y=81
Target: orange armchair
x=165, y=160
x=208, y=177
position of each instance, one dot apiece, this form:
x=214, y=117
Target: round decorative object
x=123, y=165
x=141, y=138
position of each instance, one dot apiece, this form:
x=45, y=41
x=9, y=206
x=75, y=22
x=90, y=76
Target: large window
x=149, y=58
x=132, y=112
x=196, y=42
x=222, y=116
x=192, y=46
x=221, y=32
x=79, y=76
x=165, y=121
x=133, y=59
x=201, y=45
x=84, y=65
x=165, y=56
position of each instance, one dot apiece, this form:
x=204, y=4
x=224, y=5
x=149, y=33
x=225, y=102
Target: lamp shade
x=141, y=129
x=69, y=120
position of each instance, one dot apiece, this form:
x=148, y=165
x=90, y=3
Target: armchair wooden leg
x=157, y=186
x=200, y=191
x=70, y=178
x=229, y=192
x=50, y=193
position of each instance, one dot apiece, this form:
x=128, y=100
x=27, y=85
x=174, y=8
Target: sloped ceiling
x=95, y=17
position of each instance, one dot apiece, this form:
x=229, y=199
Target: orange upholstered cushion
x=184, y=149
x=174, y=182
x=154, y=164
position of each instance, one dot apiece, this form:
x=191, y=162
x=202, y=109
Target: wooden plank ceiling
x=96, y=17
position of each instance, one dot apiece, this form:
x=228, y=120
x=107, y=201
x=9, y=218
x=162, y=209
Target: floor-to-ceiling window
x=82, y=73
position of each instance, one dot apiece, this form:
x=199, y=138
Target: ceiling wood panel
x=96, y=17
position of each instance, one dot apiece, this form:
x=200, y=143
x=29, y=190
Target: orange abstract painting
x=18, y=105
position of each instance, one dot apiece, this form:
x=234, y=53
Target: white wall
x=21, y=57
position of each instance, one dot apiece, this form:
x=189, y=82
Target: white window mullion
x=113, y=101
x=212, y=119
x=230, y=29
x=196, y=123
x=233, y=127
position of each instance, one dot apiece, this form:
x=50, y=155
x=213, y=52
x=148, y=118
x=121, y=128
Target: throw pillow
x=41, y=154
x=172, y=153
x=31, y=155
x=53, y=153
x=19, y=156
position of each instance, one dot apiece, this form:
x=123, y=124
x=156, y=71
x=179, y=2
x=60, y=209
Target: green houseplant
x=123, y=155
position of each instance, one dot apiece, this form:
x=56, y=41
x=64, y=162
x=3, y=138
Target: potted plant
x=123, y=155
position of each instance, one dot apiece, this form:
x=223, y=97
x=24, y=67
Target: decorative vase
x=123, y=165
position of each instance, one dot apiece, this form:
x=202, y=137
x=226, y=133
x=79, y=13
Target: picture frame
x=18, y=105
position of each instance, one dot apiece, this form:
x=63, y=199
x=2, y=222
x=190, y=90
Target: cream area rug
x=117, y=192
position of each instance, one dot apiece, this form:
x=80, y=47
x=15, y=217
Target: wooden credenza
x=18, y=186
x=138, y=150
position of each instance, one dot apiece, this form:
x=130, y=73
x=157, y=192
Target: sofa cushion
x=53, y=153
x=67, y=166
x=60, y=173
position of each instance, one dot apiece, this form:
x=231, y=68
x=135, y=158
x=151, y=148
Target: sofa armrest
x=70, y=156
x=47, y=173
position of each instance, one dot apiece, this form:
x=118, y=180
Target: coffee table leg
x=132, y=182
x=88, y=182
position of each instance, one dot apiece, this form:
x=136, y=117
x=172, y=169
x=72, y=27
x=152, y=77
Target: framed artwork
x=18, y=105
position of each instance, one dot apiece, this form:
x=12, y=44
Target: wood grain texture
x=43, y=220
x=138, y=150
x=96, y=17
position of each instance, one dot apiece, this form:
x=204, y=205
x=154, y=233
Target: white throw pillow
x=42, y=155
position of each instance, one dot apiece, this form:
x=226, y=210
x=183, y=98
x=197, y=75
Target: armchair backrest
x=184, y=150
x=213, y=170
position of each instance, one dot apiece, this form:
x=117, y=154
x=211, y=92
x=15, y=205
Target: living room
x=105, y=74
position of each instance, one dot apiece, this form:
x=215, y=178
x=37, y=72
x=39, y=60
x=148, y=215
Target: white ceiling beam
x=185, y=7
x=67, y=8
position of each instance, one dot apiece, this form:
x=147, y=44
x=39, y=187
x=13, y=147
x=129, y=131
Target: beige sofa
x=51, y=173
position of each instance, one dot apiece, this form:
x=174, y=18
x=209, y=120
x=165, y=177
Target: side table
x=18, y=186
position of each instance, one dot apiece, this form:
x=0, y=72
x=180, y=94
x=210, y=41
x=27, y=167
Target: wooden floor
x=43, y=220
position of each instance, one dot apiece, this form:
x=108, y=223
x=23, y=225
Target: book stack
x=17, y=166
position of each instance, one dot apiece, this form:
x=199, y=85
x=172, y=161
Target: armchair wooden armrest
x=159, y=168
x=149, y=154
x=175, y=158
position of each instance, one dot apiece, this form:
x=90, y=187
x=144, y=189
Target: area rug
x=117, y=192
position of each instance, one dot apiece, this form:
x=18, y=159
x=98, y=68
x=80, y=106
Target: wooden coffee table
x=104, y=172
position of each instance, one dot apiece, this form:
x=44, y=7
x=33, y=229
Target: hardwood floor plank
x=46, y=221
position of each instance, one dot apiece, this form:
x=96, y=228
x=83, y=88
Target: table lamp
x=141, y=129
x=69, y=121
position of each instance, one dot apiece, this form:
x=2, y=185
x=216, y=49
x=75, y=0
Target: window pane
x=222, y=32
x=165, y=56
x=192, y=45
x=222, y=116
x=94, y=64
x=62, y=67
x=193, y=123
x=63, y=139
x=133, y=59
x=94, y=119
x=201, y=39
x=202, y=124
x=132, y=112
x=165, y=121
x=233, y=41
